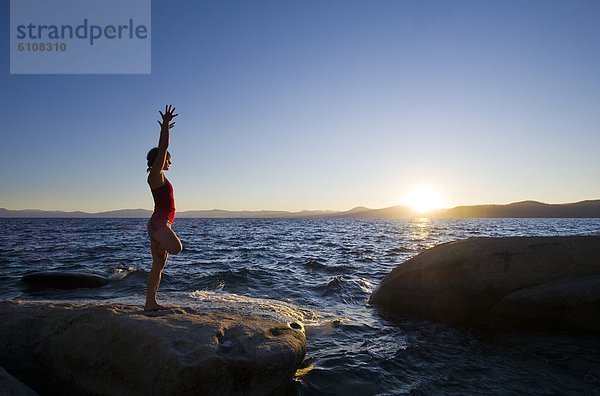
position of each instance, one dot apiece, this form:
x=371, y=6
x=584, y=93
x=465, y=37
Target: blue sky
x=321, y=105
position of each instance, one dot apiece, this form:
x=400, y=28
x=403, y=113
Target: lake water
x=327, y=268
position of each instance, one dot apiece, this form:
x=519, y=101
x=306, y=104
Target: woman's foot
x=155, y=307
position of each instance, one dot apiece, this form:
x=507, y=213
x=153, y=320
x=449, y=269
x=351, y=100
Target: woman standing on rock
x=163, y=238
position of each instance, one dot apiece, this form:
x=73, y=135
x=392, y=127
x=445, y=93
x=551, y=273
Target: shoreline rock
x=120, y=349
x=549, y=282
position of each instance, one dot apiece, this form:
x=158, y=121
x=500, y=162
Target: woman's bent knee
x=175, y=249
x=169, y=240
x=175, y=252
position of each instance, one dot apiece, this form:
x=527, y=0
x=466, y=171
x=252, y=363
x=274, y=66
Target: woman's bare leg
x=159, y=259
x=168, y=240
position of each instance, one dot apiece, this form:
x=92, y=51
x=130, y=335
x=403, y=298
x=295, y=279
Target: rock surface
x=120, y=349
x=9, y=385
x=549, y=281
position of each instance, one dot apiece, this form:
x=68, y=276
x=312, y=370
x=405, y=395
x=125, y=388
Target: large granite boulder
x=542, y=281
x=59, y=348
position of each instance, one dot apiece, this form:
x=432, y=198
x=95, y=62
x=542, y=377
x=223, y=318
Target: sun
x=423, y=199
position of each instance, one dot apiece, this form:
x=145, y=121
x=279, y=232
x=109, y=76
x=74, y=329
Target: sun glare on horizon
x=423, y=199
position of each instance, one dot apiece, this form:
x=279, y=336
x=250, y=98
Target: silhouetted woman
x=164, y=241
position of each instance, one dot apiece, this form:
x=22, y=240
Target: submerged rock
x=543, y=281
x=574, y=301
x=120, y=349
x=63, y=280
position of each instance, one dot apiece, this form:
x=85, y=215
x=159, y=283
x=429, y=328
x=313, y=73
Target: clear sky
x=315, y=104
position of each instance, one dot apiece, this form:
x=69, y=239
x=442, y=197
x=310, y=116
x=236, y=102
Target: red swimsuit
x=164, y=203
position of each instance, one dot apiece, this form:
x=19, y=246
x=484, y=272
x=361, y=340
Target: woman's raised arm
x=163, y=141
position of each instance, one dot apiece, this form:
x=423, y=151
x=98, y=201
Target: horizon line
x=305, y=210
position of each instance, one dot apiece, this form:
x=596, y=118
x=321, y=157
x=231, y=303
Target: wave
x=318, y=265
x=118, y=274
x=346, y=288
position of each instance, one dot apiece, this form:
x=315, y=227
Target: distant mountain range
x=531, y=209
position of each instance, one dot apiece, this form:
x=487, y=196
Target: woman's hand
x=167, y=116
